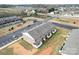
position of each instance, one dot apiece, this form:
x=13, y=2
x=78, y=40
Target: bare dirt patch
x=46, y=51
x=20, y=50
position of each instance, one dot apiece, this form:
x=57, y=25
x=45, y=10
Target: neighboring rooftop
x=6, y=20
x=41, y=30
x=71, y=47
x=32, y=25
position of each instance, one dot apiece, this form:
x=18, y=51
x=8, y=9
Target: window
x=54, y=30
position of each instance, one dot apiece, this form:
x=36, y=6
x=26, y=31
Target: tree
x=12, y=28
x=36, y=12
x=52, y=9
x=74, y=22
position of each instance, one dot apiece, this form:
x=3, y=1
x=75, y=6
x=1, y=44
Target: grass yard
x=64, y=20
x=55, y=41
x=4, y=12
x=69, y=20
x=25, y=44
x=6, y=51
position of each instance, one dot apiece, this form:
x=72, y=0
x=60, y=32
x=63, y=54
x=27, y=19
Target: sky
x=39, y=2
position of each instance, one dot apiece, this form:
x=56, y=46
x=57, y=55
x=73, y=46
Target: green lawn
x=65, y=20
x=55, y=41
x=6, y=51
x=25, y=44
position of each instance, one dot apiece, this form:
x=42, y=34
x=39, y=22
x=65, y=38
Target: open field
x=10, y=12
x=74, y=21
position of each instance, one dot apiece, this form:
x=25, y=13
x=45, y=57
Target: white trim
x=36, y=27
x=66, y=38
x=50, y=34
x=54, y=30
x=61, y=52
x=44, y=39
x=27, y=34
x=37, y=46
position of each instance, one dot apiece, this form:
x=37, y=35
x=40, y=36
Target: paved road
x=15, y=35
x=64, y=26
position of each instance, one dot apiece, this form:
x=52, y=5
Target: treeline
x=6, y=6
x=5, y=12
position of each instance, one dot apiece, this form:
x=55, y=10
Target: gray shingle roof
x=72, y=45
x=32, y=25
x=40, y=31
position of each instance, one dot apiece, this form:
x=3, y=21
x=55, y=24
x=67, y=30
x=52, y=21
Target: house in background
x=38, y=33
x=30, y=12
x=71, y=46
